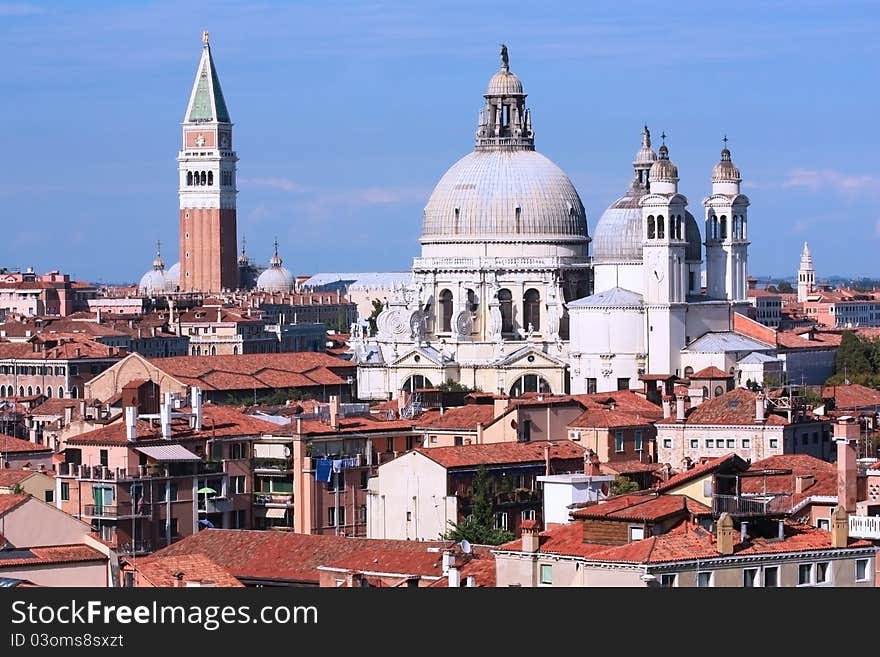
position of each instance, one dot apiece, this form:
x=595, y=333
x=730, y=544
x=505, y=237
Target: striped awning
x=167, y=453
x=275, y=513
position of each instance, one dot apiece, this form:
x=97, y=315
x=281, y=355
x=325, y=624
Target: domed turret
x=726, y=177
x=276, y=278
x=157, y=281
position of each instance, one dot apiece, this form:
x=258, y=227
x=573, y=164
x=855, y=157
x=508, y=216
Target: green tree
x=378, y=307
x=852, y=357
x=479, y=526
x=623, y=485
x=785, y=287
x=454, y=386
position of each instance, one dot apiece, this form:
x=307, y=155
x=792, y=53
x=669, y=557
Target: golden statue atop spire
x=205, y=37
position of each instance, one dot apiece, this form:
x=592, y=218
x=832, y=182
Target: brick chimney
x=725, y=534
x=759, y=408
x=334, y=412
x=531, y=541
x=839, y=527
x=679, y=408
x=846, y=432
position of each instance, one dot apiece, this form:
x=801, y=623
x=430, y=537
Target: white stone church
x=506, y=296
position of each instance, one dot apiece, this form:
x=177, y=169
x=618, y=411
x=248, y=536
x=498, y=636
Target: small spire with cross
x=158, y=248
x=205, y=37
x=663, y=137
x=725, y=140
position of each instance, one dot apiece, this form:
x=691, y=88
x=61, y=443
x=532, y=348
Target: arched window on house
x=189, y=178
x=688, y=372
x=210, y=177
x=529, y=383
x=416, y=382
x=60, y=392
x=651, y=232
x=724, y=226
x=446, y=311
x=661, y=233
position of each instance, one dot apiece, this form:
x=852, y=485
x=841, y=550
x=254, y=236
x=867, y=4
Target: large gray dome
x=504, y=195
x=618, y=234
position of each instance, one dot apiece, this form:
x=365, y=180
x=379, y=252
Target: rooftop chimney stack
x=448, y=560
x=839, y=527
x=759, y=408
x=846, y=432
x=454, y=575
x=667, y=407
x=679, y=408
x=726, y=534
x=165, y=416
x=131, y=423
x=334, y=412
x=531, y=541
x=196, y=403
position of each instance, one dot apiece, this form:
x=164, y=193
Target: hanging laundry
x=323, y=468
x=337, y=465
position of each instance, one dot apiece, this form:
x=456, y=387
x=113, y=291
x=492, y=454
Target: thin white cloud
x=831, y=180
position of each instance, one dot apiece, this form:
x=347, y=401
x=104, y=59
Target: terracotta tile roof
x=465, y=417
x=162, y=570
x=623, y=400
x=9, y=502
x=355, y=425
x=816, y=340
x=852, y=396
x=756, y=292
x=281, y=556
x=736, y=408
x=688, y=542
x=642, y=507
x=209, y=315
x=462, y=456
x=55, y=406
x=261, y=371
x=630, y=466
x=604, y=418
x=824, y=475
x=709, y=466
x=710, y=372
x=54, y=554
x=567, y=539
x=11, y=444
x=10, y=477
x=217, y=421
x=482, y=569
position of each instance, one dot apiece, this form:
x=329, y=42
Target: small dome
x=646, y=155
x=663, y=170
x=173, y=275
x=276, y=279
x=725, y=170
x=156, y=282
x=504, y=83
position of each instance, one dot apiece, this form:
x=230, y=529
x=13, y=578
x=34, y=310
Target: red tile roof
x=9, y=502
x=814, y=340
x=708, y=467
x=824, y=476
x=567, y=539
x=852, y=396
x=13, y=445
x=260, y=371
x=10, y=477
x=217, y=422
x=736, y=408
x=630, y=466
x=710, y=372
x=462, y=456
x=54, y=555
x=67, y=348
x=162, y=570
x=55, y=406
x=642, y=507
x=353, y=425
x=280, y=556
x=604, y=418
x=466, y=417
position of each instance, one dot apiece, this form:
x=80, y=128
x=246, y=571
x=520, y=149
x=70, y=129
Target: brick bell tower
x=206, y=165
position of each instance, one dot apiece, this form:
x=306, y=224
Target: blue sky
x=347, y=113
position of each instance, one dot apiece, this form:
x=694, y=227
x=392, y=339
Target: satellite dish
x=465, y=546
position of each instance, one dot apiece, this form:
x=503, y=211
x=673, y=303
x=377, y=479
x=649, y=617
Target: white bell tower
x=806, y=275
x=727, y=246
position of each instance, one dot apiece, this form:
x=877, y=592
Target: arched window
x=651, y=227
x=204, y=178
x=688, y=372
x=416, y=382
x=2, y=391
x=713, y=227
x=48, y=391
x=705, y=392
x=472, y=301
x=30, y=391
x=724, y=226
x=446, y=311
x=210, y=177
x=213, y=350
x=529, y=383
x=21, y=391
x=518, y=219
x=719, y=391
x=189, y=177
x=505, y=304
x=532, y=309
x=235, y=350
x=74, y=393
x=37, y=390
x=661, y=233
x=743, y=228
x=455, y=218
x=679, y=233
x=60, y=392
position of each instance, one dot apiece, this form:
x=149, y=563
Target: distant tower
x=727, y=246
x=207, y=164
x=806, y=275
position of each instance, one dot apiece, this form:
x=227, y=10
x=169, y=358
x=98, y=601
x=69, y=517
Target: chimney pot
x=679, y=408
x=725, y=533
x=759, y=408
x=839, y=527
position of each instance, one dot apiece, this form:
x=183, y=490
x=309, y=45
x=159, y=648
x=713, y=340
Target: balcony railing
x=135, y=547
x=215, y=505
x=273, y=499
x=116, y=511
x=864, y=527
x=739, y=505
x=270, y=466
